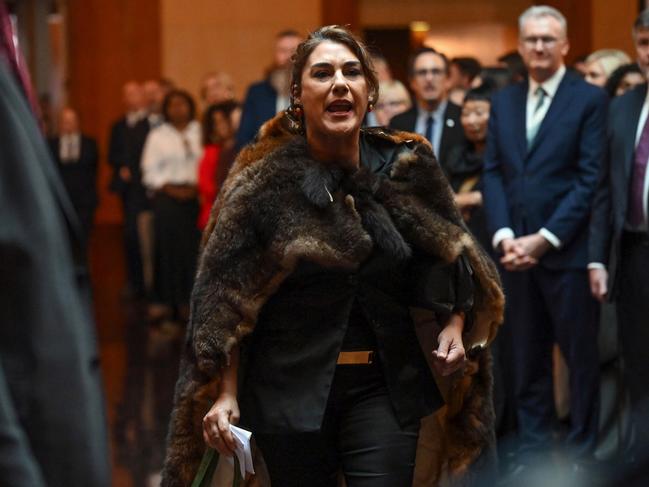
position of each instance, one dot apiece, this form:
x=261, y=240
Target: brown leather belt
x=353, y=358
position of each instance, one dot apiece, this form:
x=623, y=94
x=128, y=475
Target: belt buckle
x=364, y=357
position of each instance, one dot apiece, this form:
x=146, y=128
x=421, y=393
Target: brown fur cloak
x=264, y=222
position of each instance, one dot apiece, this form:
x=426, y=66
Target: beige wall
x=233, y=36
x=236, y=36
x=612, y=22
x=484, y=29
x=439, y=12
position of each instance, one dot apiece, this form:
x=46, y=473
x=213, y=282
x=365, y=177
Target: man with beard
x=268, y=97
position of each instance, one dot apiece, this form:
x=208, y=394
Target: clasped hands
x=520, y=254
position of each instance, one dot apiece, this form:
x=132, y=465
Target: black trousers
x=133, y=203
x=547, y=306
x=633, y=315
x=360, y=436
x=177, y=240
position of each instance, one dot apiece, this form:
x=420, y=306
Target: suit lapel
x=411, y=119
x=57, y=150
x=82, y=148
x=559, y=103
x=519, y=107
x=636, y=100
x=450, y=125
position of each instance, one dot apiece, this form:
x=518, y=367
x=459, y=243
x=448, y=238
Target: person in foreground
x=321, y=239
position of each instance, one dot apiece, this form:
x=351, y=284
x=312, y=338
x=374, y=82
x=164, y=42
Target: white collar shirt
x=438, y=124
x=171, y=156
x=132, y=118
x=550, y=86
x=70, y=147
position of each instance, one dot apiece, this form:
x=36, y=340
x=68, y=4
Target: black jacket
x=612, y=197
x=80, y=176
x=292, y=353
x=125, y=150
x=452, y=134
x=52, y=422
x=258, y=107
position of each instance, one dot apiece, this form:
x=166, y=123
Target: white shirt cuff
x=550, y=237
x=596, y=265
x=501, y=235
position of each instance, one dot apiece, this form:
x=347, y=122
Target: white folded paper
x=243, y=450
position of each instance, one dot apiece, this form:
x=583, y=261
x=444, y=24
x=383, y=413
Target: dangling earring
x=295, y=116
x=370, y=107
x=295, y=113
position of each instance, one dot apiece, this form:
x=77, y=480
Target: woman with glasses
x=169, y=172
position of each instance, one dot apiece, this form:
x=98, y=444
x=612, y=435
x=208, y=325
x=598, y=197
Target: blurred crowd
x=170, y=154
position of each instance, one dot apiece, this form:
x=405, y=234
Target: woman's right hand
x=216, y=424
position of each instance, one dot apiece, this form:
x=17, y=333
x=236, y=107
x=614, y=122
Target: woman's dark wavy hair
x=225, y=107
x=185, y=96
x=339, y=35
x=484, y=92
x=616, y=77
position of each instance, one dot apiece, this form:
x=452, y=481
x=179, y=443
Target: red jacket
x=207, y=186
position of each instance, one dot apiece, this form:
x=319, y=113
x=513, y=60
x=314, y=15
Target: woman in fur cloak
x=337, y=292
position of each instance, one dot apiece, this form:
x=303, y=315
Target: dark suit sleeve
x=495, y=199
x=93, y=163
x=575, y=207
x=248, y=125
x=115, y=149
x=18, y=467
x=601, y=227
x=52, y=145
x=47, y=342
x=403, y=122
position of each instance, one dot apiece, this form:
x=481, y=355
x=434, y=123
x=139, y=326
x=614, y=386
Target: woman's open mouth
x=340, y=108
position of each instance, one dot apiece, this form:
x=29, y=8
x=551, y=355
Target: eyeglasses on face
x=436, y=72
x=532, y=41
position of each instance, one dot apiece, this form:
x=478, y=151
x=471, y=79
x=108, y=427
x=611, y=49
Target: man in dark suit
x=76, y=157
x=619, y=222
x=432, y=115
x=545, y=146
x=52, y=421
x=127, y=137
x=270, y=96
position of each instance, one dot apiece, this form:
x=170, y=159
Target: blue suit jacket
x=259, y=106
x=551, y=184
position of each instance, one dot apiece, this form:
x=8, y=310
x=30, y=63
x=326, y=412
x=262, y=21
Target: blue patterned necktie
x=429, y=128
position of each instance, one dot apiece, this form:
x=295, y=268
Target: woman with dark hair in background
x=465, y=162
x=623, y=79
x=220, y=124
x=169, y=171
x=464, y=172
x=322, y=238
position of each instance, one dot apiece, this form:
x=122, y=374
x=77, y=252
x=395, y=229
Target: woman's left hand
x=450, y=355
